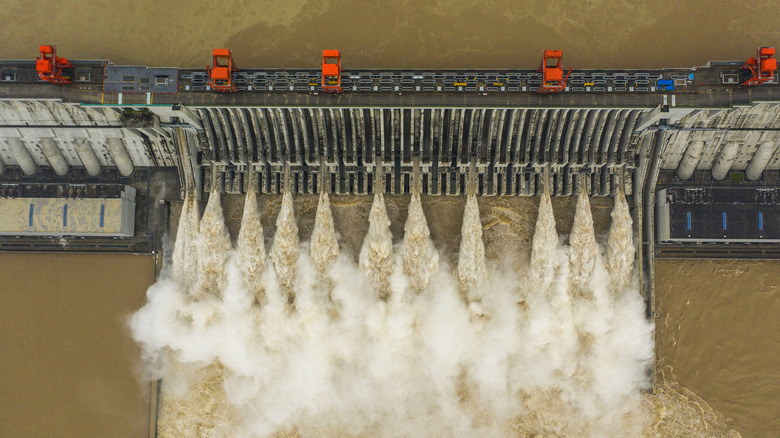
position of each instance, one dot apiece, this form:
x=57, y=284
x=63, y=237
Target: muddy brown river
x=69, y=366
x=718, y=334
x=399, y=33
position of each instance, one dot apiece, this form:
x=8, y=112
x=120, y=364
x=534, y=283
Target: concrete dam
x=169, y=131
x=495, y=133
x=342, y=148
x=347, y=147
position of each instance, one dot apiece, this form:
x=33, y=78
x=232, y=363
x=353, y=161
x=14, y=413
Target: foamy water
x=324, y=246
x=285, y=251
x=620, y=247
x=185, y=260
x=251, y=247
x=212, y=249
x=389, y=345
x=376, y=255
x=582, y=241
x=420, y=257
x=472, y=270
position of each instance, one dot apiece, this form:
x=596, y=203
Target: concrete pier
x=728, y=154
x=54, y=156
x=87, y=156
x=22, y=156
x=690, y=159
x=118, y=151
x=760, y=160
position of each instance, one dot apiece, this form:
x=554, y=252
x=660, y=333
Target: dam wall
x=347, y=148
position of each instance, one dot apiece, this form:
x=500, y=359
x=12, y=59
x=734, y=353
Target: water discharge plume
x=348, y=364
x=376, y=254
x=620, y=247
x=251, y=246
x=542, y=269
x=179, y=251
x=582, y=241
x=471, y=256
x=185, y=261
x=324, y=245
x=284, y=251
x=213, y=245
x=420, y=257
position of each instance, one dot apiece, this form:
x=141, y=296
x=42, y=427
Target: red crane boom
x=221, y=71
x=331, y=71
x=49, y=66
x=762, y=68
x=553, y=80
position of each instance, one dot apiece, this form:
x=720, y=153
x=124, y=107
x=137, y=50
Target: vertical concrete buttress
x=87, y=156
x=118, y=152
x=22, y=156
x=54, y=156
x=690, y=159
x=725, y=160
x=760, y=160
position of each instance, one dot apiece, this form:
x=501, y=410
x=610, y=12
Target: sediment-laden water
x=376, y=255
x=472, y=270
x=251, y=247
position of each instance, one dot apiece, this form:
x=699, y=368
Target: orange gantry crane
x=49, y=66
x=762, y=68
x=553, y=80
x=221, y=71
x=331, y=71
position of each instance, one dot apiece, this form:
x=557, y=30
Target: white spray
x=185, y=261
x=542, y=269
x=420, y=257
x=471, y=257
x=583, y=243
x=251, y=246
x=324, y=246
x=376, y=255
x=213, y=247
x=285, y=251
x=560, y=364
x=620, y=248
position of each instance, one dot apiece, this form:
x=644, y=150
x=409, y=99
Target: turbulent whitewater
x=545, y=241
x=324, y=246
x=620, y=248
x=376, y=256
x=212, y=249
x=420, y=257
x=285, y=251
x=185, y=261
x=310, y=340
x=583, y=243
x=251, y=246
x=471, y=256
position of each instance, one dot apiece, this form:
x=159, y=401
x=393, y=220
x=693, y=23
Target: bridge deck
x=714, y=85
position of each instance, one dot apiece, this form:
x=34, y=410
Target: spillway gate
x=345, y=148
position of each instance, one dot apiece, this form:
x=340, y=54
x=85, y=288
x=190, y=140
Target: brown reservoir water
x=718, y=334
x=69, y=366
x=392, y=34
